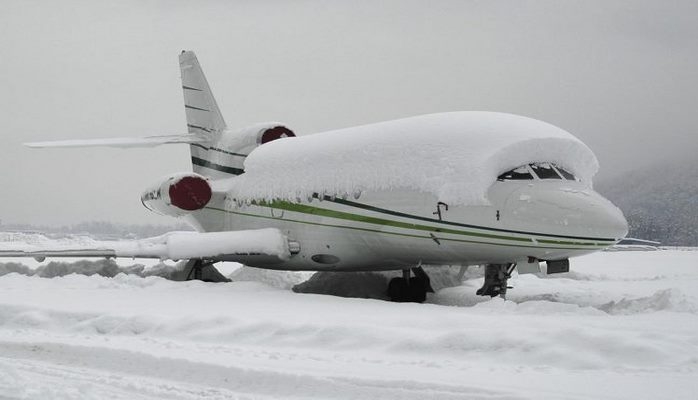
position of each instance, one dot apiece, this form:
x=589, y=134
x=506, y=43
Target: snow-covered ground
x=622, y=325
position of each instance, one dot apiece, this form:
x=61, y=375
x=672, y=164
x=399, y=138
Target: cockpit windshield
x=545, y=171
x=566, y=174
x=539, y=170
x=521, y=173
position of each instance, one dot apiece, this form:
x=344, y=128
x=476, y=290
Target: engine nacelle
x=247, y=139
x=178, y=194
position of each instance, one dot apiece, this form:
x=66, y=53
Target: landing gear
x=496, y=276
x=410, y=289
x=203, y=270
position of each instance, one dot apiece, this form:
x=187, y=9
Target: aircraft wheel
x=399, y=291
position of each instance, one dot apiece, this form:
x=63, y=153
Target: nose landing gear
x=410, y=289
x=496, y=277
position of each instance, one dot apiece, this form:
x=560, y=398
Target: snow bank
x=663, y=300
x=456, y=156
x=242, y=315
x=78, y=334
x=277, y=279
x=105, y=267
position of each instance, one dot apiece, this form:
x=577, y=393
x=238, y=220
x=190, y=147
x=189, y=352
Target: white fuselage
x=388, y=230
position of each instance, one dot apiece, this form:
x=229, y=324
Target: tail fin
x=204, y=118
x=203, y=115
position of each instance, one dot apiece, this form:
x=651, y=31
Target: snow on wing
x=172, y=246
x=125, y=142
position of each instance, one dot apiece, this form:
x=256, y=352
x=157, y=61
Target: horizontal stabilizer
x=148, y=141
x=217, y=246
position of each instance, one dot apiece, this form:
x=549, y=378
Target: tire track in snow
x=65, y=371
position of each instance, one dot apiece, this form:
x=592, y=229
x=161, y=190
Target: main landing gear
x=410, y=289
x=496, y=276
x=202, y=270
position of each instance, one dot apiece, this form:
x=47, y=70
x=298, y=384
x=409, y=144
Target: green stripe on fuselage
x=453, y=223
x=311, y=210
x=356, y=228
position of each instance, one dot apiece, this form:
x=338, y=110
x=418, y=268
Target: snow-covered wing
x=230, y=246
x=125, y=142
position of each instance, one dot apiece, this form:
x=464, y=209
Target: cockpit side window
x=545, y=171
x=566, y=174
x=517, y=174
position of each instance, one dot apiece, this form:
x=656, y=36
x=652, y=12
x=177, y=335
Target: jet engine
x=178, y=194
x=251, y=137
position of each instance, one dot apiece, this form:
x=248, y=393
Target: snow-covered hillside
x=659, y=202
x=622, y=325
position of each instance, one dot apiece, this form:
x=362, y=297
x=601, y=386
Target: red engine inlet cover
x=276, y=132
x=190, y=193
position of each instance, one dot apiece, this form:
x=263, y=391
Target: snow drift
x=455, y=156
x=626, y=333
x=102, y=267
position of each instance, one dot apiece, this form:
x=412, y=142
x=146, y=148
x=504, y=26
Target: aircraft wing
x=125, y=142
x=242, y=246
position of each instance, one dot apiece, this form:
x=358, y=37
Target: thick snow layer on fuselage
x=455, y=156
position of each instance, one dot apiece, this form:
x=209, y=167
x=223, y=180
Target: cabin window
x=517, y=174
x=545, y=171
x=565, y=174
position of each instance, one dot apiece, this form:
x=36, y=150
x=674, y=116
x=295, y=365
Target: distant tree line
x=99, y=229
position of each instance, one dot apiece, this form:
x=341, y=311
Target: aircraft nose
x=614, y=220
x=575, y=212
x=601, y=217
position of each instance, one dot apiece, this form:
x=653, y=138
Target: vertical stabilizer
x=203, y=116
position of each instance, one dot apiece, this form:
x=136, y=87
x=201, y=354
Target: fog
x=620, y=75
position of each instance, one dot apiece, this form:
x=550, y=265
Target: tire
x=397, y=290
x=400, y=292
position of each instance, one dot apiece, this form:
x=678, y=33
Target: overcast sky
x=620, y=75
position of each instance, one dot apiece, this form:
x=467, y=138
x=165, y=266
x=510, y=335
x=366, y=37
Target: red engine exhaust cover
x=190, y=193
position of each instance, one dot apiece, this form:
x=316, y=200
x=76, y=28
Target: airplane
x=458, y=188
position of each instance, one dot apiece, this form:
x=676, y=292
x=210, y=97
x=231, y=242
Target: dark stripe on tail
x=199, y=127
x=207, y=164
x=218, y=150
x=196, y=108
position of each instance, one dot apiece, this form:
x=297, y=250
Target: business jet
x=458, y=188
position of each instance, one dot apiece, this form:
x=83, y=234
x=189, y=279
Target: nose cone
x=569, y=211
x=612, y=219
x=597, y=217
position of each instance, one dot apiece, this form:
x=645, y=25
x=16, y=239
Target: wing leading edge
x=218, y=246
